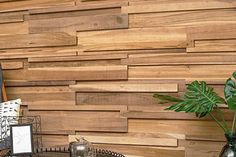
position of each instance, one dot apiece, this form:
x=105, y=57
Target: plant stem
x=233, y=126
x=218, y=122
x=222, y=117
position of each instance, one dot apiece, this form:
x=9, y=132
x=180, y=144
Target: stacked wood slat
x=90, y=68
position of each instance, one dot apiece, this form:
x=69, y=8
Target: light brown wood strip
x=12, y=17
x=19, y=5
x=77, y=58
x=25, y=83
x=189, y=73
x=213, y=46
x=145, y=38
x=80, y=7
x=143, y=151
x=14, y=28
x=183, y=18
x=120, y=87
x=78, y=73
x=66, y=121
x=12, y=65
x=127, y=140
x=180, y=59
x=80, y=23
x=178, y=6
x=36, y=40
x=212, y=31
x=77, y=108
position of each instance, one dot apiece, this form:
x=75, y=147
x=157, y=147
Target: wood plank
x=217, y=73
x=78, y=73
x=142, y=38
x=77, y=108
x=200, y=128
x=145, y=51
x=183, y=18
x=37, y=52
x=59, y=95
x=180, y=59
x=145, y=141
x=12, y=17
x=212, y=31
x=77, y=58
x=80, y=7
x=213, y=46
x=165, y=6
x=14, y=28
x=202, y=148
x=36, y=40
x=140, y=101
x=80, y=23
x=164, y=115
x=125, y=87
x=144, y=151
x=67, y=121
x=82, y=63
x=12, y=65
x=25, y=83
x=30, y=4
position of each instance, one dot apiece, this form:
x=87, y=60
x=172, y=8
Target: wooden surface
x=90, y=68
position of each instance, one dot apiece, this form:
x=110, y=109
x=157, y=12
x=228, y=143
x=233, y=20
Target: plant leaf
x=166, y=98
x=199, y=99
x=230, y=93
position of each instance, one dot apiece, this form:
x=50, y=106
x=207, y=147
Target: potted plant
x=202, y=100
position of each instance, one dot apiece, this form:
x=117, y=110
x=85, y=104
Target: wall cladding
x=90, y=67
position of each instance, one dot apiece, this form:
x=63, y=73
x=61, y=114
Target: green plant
x=202, y=100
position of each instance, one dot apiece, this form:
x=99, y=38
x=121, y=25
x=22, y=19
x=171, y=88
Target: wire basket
x=5, y=123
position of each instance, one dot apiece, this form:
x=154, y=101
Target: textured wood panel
x=80, y=23
x=14, y=28
x=143, y=38
x=125, y=87
x=36, y=40
x=128, y=140
x=180, y=59
x=67, y=121
x=90, y=68
x=29, y=4
x=190, y=73
x=213, y=46
x=78, y=73
x=184, y=18
x=164, y=6
x=37, y=52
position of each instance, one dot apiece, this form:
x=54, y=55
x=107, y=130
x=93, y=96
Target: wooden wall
x=90, y=68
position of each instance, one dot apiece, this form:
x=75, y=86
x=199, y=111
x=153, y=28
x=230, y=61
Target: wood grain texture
x=128, y=140
x=19, y=5
x=80, y=23
x=67, y=121
x=164, y=6
x=183, y=18
x=213, y=46
x=78, y=73
x=181, y=58
x=125, y=87
x=12, y=65
x=80, y=7
x=36, y=40
x=143, y=38
x=90, y=68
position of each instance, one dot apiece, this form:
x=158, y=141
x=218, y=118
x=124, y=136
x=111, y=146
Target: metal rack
x=5, y=123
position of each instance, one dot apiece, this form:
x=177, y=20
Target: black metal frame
x=5, y=123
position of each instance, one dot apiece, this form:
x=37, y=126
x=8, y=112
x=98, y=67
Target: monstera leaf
x=198, y=99
x=230, y=92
